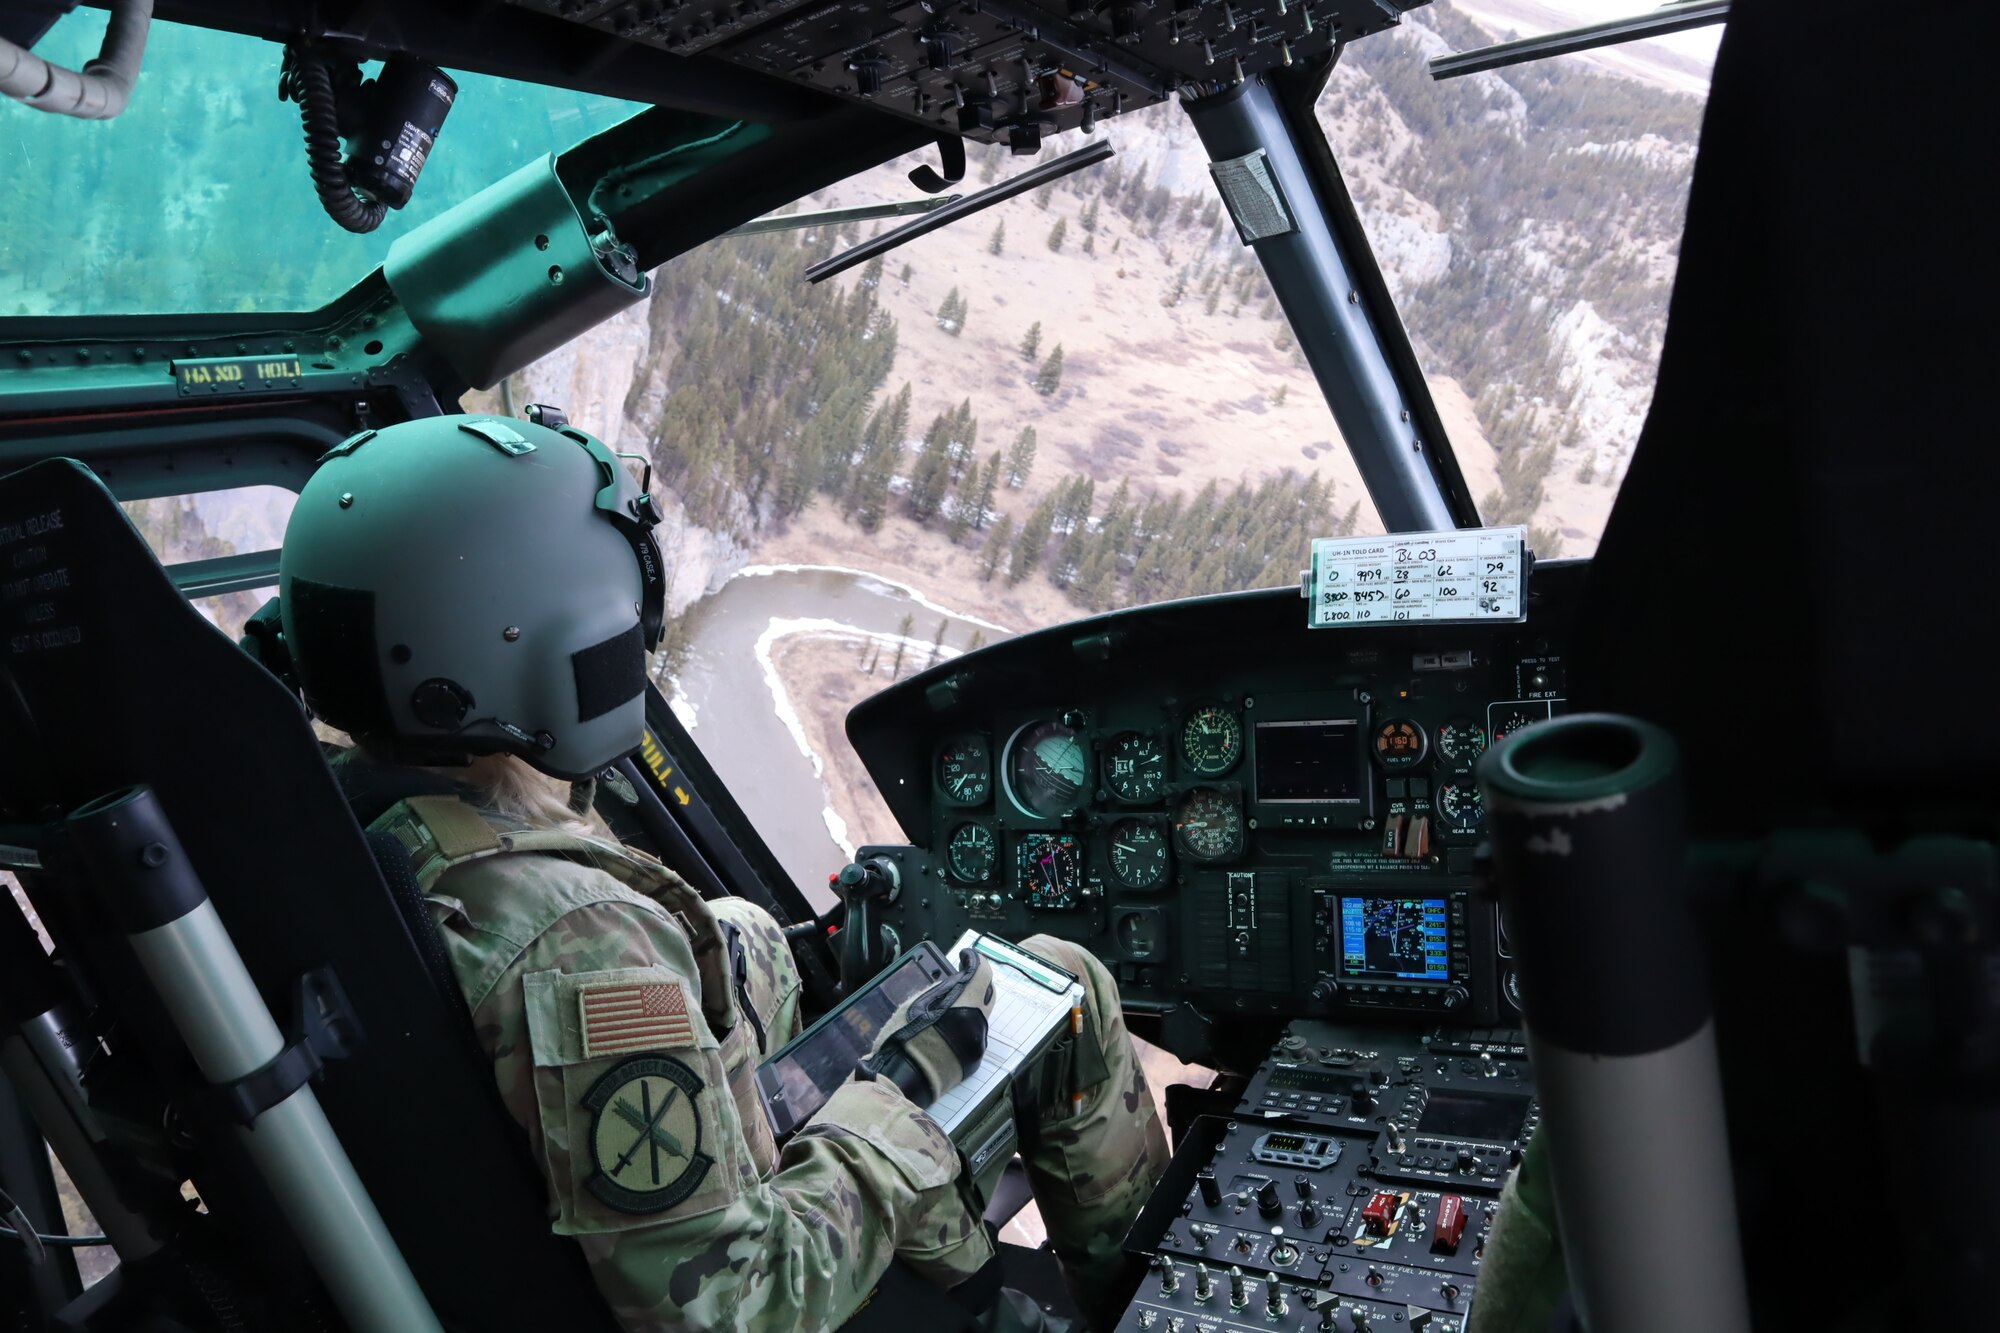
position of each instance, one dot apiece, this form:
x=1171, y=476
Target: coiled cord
x=306, y=80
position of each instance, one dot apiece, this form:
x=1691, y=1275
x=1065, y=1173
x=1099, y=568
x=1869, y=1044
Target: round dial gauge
x=1461, y=740
x=1460, y=806
x=1051, y=870
x=1138, y=854
x=1515, y=716
x=1400, y=743
x=1212, y=740
x=1209, y=825
x=965, y=770
x=972, y=852
x=1134, y=767
x=1046, y=772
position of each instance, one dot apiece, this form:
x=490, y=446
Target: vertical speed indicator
x=965, y=770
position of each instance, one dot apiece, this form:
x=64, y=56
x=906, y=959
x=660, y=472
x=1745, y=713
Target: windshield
x=199, y=199
x=1528, y=222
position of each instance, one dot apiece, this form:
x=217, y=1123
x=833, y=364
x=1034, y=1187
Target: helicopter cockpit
x=1483, y=716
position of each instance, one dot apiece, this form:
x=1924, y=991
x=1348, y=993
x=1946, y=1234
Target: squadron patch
x=645, y=1135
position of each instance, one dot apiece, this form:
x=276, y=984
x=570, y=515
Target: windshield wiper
x=965, y=207
x=1676, y=17
x=833, y=217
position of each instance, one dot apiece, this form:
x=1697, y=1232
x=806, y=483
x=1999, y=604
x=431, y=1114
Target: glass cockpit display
x=1395, y=939
x=1311, y=762
x=1046, y=769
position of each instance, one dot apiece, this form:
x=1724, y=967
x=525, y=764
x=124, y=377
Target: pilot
x=471, y=599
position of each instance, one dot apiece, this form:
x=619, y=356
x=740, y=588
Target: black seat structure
x=1795, y=583
x=112, y=680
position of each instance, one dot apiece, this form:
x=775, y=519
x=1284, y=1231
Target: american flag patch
x=625, y=1017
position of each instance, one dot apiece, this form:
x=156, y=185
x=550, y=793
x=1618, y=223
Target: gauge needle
x=1121, y=847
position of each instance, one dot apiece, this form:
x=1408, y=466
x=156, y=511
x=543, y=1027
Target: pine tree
x=1214, y=299
x=1031, y=344
x=1034, y=542
x=1088, y=219
x=1278, y=395
x=902, y=643
x=998, y=543
x=930, y=474
x=937, y=643
x=1049, y=379
x=871, y=276
x=951, y=315
x=960, y=521
x=976, y=642
x=996, y=244
x=1090, y=245
x=1021, y=458
x=904, y=276
x=1056, y=234
x=989, y=486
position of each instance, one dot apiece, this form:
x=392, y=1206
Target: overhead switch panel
x=994, y=70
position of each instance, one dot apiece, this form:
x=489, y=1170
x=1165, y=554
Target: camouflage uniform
x=624, y=1042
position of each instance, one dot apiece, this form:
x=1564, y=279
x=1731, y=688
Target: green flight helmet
x=464, y=585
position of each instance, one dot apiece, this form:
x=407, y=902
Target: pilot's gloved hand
x=937, y=1037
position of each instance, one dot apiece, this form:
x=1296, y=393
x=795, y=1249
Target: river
x=733, y=697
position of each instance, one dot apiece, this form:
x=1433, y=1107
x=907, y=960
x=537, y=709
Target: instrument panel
x=1230, y=809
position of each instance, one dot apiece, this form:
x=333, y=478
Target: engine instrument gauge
x=965, y=770
x=971, y=853
x=1046, y=770
x=1135, y=768
x=1138, y=933
x=1461, y=740
x=1051, y=870
x=1400, y=743
x=1212, y=740
x=1510, y=718
x=1460, y=806
x=1209, y=825
x=1138, y=854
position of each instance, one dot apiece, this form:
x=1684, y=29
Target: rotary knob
x=1270, y=1204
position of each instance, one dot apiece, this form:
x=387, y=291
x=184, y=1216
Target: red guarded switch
x=1379, y=1213
x=1450, y=1225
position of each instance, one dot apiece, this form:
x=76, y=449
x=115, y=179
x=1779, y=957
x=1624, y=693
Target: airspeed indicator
x=965, y=770
x=971, y=853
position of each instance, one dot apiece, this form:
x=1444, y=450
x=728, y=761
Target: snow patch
x=761, y=571
x=781, y=702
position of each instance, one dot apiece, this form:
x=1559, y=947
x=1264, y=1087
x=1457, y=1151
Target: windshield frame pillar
x=1331, y=290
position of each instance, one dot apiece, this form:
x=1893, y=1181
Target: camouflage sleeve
x=602, y=1054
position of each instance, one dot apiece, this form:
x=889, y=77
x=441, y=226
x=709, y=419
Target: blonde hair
x=520, y=794
x=513, y=791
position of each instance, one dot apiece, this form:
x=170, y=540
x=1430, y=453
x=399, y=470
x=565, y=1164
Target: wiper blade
x=1676, y=17
x=833, y=217
x=965, y=207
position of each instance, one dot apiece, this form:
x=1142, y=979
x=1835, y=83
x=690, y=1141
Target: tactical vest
x=442, y=832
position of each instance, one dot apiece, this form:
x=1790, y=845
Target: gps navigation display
x=1394, y=939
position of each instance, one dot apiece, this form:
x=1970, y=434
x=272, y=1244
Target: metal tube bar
x=153, y=890
x=1677, y=17
x=1316, y=285
x=833, y=217
x=1590, y=849
x=1032, y=179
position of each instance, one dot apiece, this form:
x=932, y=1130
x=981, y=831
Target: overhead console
x=1229, y=808
x=1001, y=71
